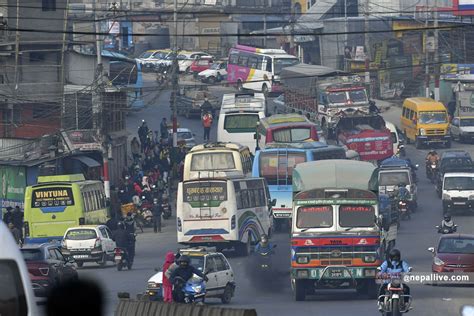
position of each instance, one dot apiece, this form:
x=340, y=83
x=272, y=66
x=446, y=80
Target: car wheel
x=211, y=79
x=228, y=293
x=79, y=264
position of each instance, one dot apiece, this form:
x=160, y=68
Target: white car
x=186, y=135
x=185, y=60
x=217, y=72
x=462, y=128
x=221, y=282
x=152, y=58
x=89, y=244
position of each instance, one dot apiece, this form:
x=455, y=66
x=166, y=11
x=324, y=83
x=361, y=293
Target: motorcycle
x=431, y=171
x=191, y=291
x=446, y=229
x=264, y=259
x=404, y=210
x=166, y=207
x=401, y=151
x=395, y=302
x=145, y=213
x=122, y=259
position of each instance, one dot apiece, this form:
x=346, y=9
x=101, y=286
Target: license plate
x=118, y=257
x=336, y=274
x=80, y=256
x=459, y=203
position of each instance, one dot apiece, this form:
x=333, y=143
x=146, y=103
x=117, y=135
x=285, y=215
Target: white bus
x=226, y=211
x=257, y=69
x=239, y=116
x=217, y=157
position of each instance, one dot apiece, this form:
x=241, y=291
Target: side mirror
x=273, y=202
x=274, y=246
x=431, y=249
x=379, y=269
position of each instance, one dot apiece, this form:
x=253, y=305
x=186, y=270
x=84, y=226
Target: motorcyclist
x=402, y=192
x=447, y=223
x=264, y=245
x=129, y=222
x=184, y=271
x=124, y=240
x=394, y=265
x=432, y=157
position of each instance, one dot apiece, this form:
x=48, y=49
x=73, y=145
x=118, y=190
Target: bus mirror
x=273, y=202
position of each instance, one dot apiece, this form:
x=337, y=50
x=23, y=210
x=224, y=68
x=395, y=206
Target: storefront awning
x=89, y=162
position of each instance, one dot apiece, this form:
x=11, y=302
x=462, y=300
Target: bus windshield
x=241, y=123
x=288, y=135
x=212, y=161
x=314, y=217
x=277, y=168
x=280, y=63
x=337, y=97
x=356, y=216
x=459, y=183
x=432, y=117
x=358, y=96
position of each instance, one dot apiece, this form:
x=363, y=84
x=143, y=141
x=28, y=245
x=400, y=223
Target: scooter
x=446, y=229
x=431, y=171
x=146, y=215
x=264, y=260
x=122, y=259
x=404, y=210
x=165, y=205
x=192, y=291
x=394, y=302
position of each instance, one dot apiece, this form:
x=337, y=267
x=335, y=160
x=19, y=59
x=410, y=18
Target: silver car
x=186, y=135
x=462, y=128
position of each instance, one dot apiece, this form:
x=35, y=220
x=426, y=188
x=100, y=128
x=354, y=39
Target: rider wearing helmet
x=393, y=265
x=402, y=192
x=123, y=239
x=184, y=271
x=264, y=246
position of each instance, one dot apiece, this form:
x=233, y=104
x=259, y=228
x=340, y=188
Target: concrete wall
x=80, y=68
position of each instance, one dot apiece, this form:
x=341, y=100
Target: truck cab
x=458, y=191
x=391, y=173
x=462, y=128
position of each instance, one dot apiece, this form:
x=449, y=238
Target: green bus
x=59, y=202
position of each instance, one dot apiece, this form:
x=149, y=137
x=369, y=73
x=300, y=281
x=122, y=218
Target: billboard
x=463, y=7
x=12, y=186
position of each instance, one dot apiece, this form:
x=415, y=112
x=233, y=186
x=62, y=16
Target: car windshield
x=456, y=245
x=337, y=97
x=185, y=135
x=467, y=122
x=215, y=66
x=288, y=135
x=356, y=216
x=197, y=262
x=280, y=63
x=393, y=178
x=314, y=217
x=81, y=234
x=432, y=117
x=459, y=183
x=358, y=96
x=146, y=55
x=277, y=168
x=32, y=254
x=451, y=162
x=212, y=161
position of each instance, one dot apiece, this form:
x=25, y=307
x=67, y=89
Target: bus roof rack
x=217, y=145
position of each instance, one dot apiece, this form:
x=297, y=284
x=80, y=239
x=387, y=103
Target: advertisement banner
x=12, y=186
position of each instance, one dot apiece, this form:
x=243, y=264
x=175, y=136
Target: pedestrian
x=7, y=217
x=17, y=220
x=164, y=129
x=135, y=147
x=167, y=286
x=206, y=106
x=142, y=134
x=207, y=123
x=157, y=212
x=16, y=233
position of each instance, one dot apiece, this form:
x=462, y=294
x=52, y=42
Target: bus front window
x=289, y=135
x=280, y=63
x=358, y=96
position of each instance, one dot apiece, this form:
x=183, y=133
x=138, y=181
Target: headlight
x=446, y=196
x=437, y=261
x=422, y=131
x=302, y=260
x=369, y=258
x=302, y=274
x=152, y=285
x=198, y=289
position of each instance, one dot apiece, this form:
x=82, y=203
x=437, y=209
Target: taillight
x=27, y=229
x=82, y=221
x=117, y=251
x=44, y=271
x=180, y=227
x=97, y=243
x=232, y=222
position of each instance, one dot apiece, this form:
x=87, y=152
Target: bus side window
x=245, y=198
x=252, y=201
x=259, y=62
x=233, y=59
x=253, y=62
x=86, y=201
x=404, y=112
x=238, y=198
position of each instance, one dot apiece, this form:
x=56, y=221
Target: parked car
x=16, y=292
x=462, y=129
x=186, y=59
x=47, y=266
x=150, y=58
x=184, y=135
x=89, y=244
x=200, y=65
x=451, y=161
x=216, y=73
x=221, y=282
x=454, y=253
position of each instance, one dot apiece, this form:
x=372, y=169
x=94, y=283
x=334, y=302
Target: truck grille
x=459, y=199
x=336, y=262
x=435, y=132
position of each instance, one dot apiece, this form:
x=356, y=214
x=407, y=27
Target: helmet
x=184, y=260
x=264, y=238
x=394, y=255
x=447, y=217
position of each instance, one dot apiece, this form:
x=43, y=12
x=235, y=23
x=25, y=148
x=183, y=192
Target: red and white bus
x=257, y=69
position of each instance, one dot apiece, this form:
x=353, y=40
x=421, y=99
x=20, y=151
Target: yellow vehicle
x=59, y=202
x=424, y=121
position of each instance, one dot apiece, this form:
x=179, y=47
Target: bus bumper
x=434, y=139
x=334, y=277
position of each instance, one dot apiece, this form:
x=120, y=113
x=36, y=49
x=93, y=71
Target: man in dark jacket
x=17, y=218
x=142, y=134
x=7, y=217
x=184, y=271
x=164, y=128
x=124, y=240
x=157, y=212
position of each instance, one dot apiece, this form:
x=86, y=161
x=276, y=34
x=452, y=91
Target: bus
x=286, y=128
x=276, y=162
x=224, y=211
x=239, y=116
x=217, y=157
x=257, y=69
x=59, y=202
x=126, y=74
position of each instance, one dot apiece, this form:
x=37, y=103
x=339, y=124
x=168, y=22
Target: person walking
x=142, y=134
x=135, y=148
x=17, y=220
x=207, y=123
x=167, y=286
x=164, y=129
x=7, y=217
x=16, y=233
x=157, y=211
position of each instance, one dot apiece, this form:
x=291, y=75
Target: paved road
x=274, y=297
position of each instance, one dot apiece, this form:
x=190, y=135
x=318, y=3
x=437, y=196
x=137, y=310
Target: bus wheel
x=300, y=291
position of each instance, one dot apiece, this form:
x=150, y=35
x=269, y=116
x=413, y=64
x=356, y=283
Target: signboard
x=12, y=186
x=204, y=192
x=463, y=7
x=210, y=30
x=83, y=140
x=304, y=38
x=466, y=103
x=114, y=27
x=51, y=197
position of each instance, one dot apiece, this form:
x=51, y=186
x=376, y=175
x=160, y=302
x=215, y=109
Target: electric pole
x=436, y=51
x=427, y=56
x=174, y=75
x=367, y=44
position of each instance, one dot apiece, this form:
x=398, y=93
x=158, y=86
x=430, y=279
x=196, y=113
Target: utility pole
x=174, y=75
x=97, y=104
x=367, y=44
x=436, y=51
x=427, y=55
x=17, y=57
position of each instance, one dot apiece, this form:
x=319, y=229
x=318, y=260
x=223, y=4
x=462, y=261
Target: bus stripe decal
x=206, y=231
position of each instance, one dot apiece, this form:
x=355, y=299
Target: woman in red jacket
x=167, y=286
